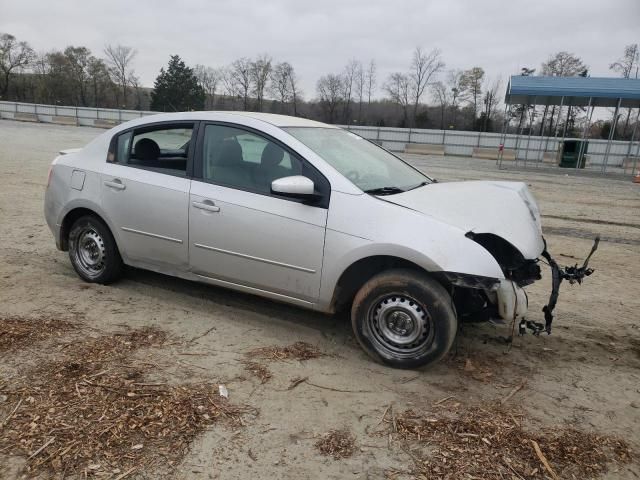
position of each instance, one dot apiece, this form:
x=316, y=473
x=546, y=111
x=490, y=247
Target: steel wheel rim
x=90, y=252
x=400, y=326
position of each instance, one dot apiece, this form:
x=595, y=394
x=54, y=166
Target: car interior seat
x=270, y=167
x=227, y=165
x=146, y=151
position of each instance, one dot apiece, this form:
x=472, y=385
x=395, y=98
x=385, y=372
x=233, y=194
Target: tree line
x=425, y=95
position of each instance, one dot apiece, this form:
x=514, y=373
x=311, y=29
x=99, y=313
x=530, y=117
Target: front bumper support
x=573, y=274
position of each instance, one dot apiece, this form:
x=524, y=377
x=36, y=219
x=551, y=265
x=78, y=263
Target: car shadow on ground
x=336, y=326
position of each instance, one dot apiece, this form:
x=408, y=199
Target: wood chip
x=544, y=460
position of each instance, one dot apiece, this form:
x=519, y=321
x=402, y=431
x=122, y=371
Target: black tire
x=404, y=319
x=93, y=251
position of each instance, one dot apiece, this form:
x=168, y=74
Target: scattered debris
x=450, y=397
x=92, y=410
x=295, y=351
x=258, y=370
x=478, y=370
x=20, y=331
x=297, y=381
x=337, y=443
x=513, y=391
x=223, y=391
x=488, y=443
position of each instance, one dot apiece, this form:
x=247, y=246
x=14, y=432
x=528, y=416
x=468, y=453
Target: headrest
x=272, y=155
x=230, y=153
x=146, y=149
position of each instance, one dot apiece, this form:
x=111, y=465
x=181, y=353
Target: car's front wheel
x=404, y=319
x=93, y=251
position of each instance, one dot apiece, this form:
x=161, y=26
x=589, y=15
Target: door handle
x=115, y=183
x=206, y=205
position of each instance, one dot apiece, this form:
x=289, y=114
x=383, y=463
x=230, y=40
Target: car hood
x=505, y=209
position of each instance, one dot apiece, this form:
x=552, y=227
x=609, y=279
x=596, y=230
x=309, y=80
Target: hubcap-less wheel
x=90, y=252
x=400, y=326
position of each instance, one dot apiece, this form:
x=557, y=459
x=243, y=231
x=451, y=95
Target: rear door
x=145, y=193
x=242, y=234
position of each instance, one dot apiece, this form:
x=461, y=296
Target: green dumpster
x=571, y=149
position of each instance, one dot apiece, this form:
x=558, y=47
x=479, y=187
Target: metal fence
x=83, y=115
x=623, y=157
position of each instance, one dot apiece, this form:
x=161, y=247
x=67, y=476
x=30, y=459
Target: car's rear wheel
x=93, y=251
x=404, y=319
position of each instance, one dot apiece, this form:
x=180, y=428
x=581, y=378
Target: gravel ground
x=585, y=375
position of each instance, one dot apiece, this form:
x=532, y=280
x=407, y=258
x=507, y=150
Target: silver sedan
x=300, y=212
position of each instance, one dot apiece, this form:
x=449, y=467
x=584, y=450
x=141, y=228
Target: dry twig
x=544, y=460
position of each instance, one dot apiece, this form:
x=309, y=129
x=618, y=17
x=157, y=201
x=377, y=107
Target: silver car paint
x=149, y=210
x=257, y=241
x=264, y=245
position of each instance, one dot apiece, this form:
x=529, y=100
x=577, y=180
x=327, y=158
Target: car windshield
x=369, y=167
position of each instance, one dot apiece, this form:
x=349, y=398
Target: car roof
x=272, y=118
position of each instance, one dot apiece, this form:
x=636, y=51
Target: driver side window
x=241, y=159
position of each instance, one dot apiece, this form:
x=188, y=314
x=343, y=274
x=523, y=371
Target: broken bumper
x=511, y=300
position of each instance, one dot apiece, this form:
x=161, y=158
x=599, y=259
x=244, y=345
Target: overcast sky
x=321, y=36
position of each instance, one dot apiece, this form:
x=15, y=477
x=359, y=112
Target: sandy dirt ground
x=585, y=375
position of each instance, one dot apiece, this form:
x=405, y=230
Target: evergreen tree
x=177, y=89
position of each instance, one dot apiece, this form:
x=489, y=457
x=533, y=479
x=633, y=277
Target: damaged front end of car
x=479, y=298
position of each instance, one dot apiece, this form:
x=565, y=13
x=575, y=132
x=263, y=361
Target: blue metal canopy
x=573, y=91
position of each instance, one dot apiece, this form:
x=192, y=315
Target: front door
x=242, y=234
x=145, y=192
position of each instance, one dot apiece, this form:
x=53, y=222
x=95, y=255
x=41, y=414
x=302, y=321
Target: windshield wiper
x=421, y=184
x=384, y=190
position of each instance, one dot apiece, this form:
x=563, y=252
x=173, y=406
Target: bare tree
x=371, y=80
x=398, y=87
x=423, y=67
x=442, y=95
x=239, y=79
x=349, y=77
x=14, y=56
x=209, y=79
x=627, y=66
x=41, y=70
x=330, y=90
x=453, y=84
x=296, y=93
x=490, y=102
x=78, y=62
x=98, y=77
x=134, y=81
x=283, y=85
x=259, y=74
x=119, y=59
x=360, y=80
x=471, y=84
x=563, y=64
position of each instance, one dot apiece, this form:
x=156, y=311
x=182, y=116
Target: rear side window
x=160, y=148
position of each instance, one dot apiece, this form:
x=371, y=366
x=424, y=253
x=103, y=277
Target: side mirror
x=295, y=186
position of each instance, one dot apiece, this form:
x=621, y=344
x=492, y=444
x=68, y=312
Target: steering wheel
x=352, y=175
